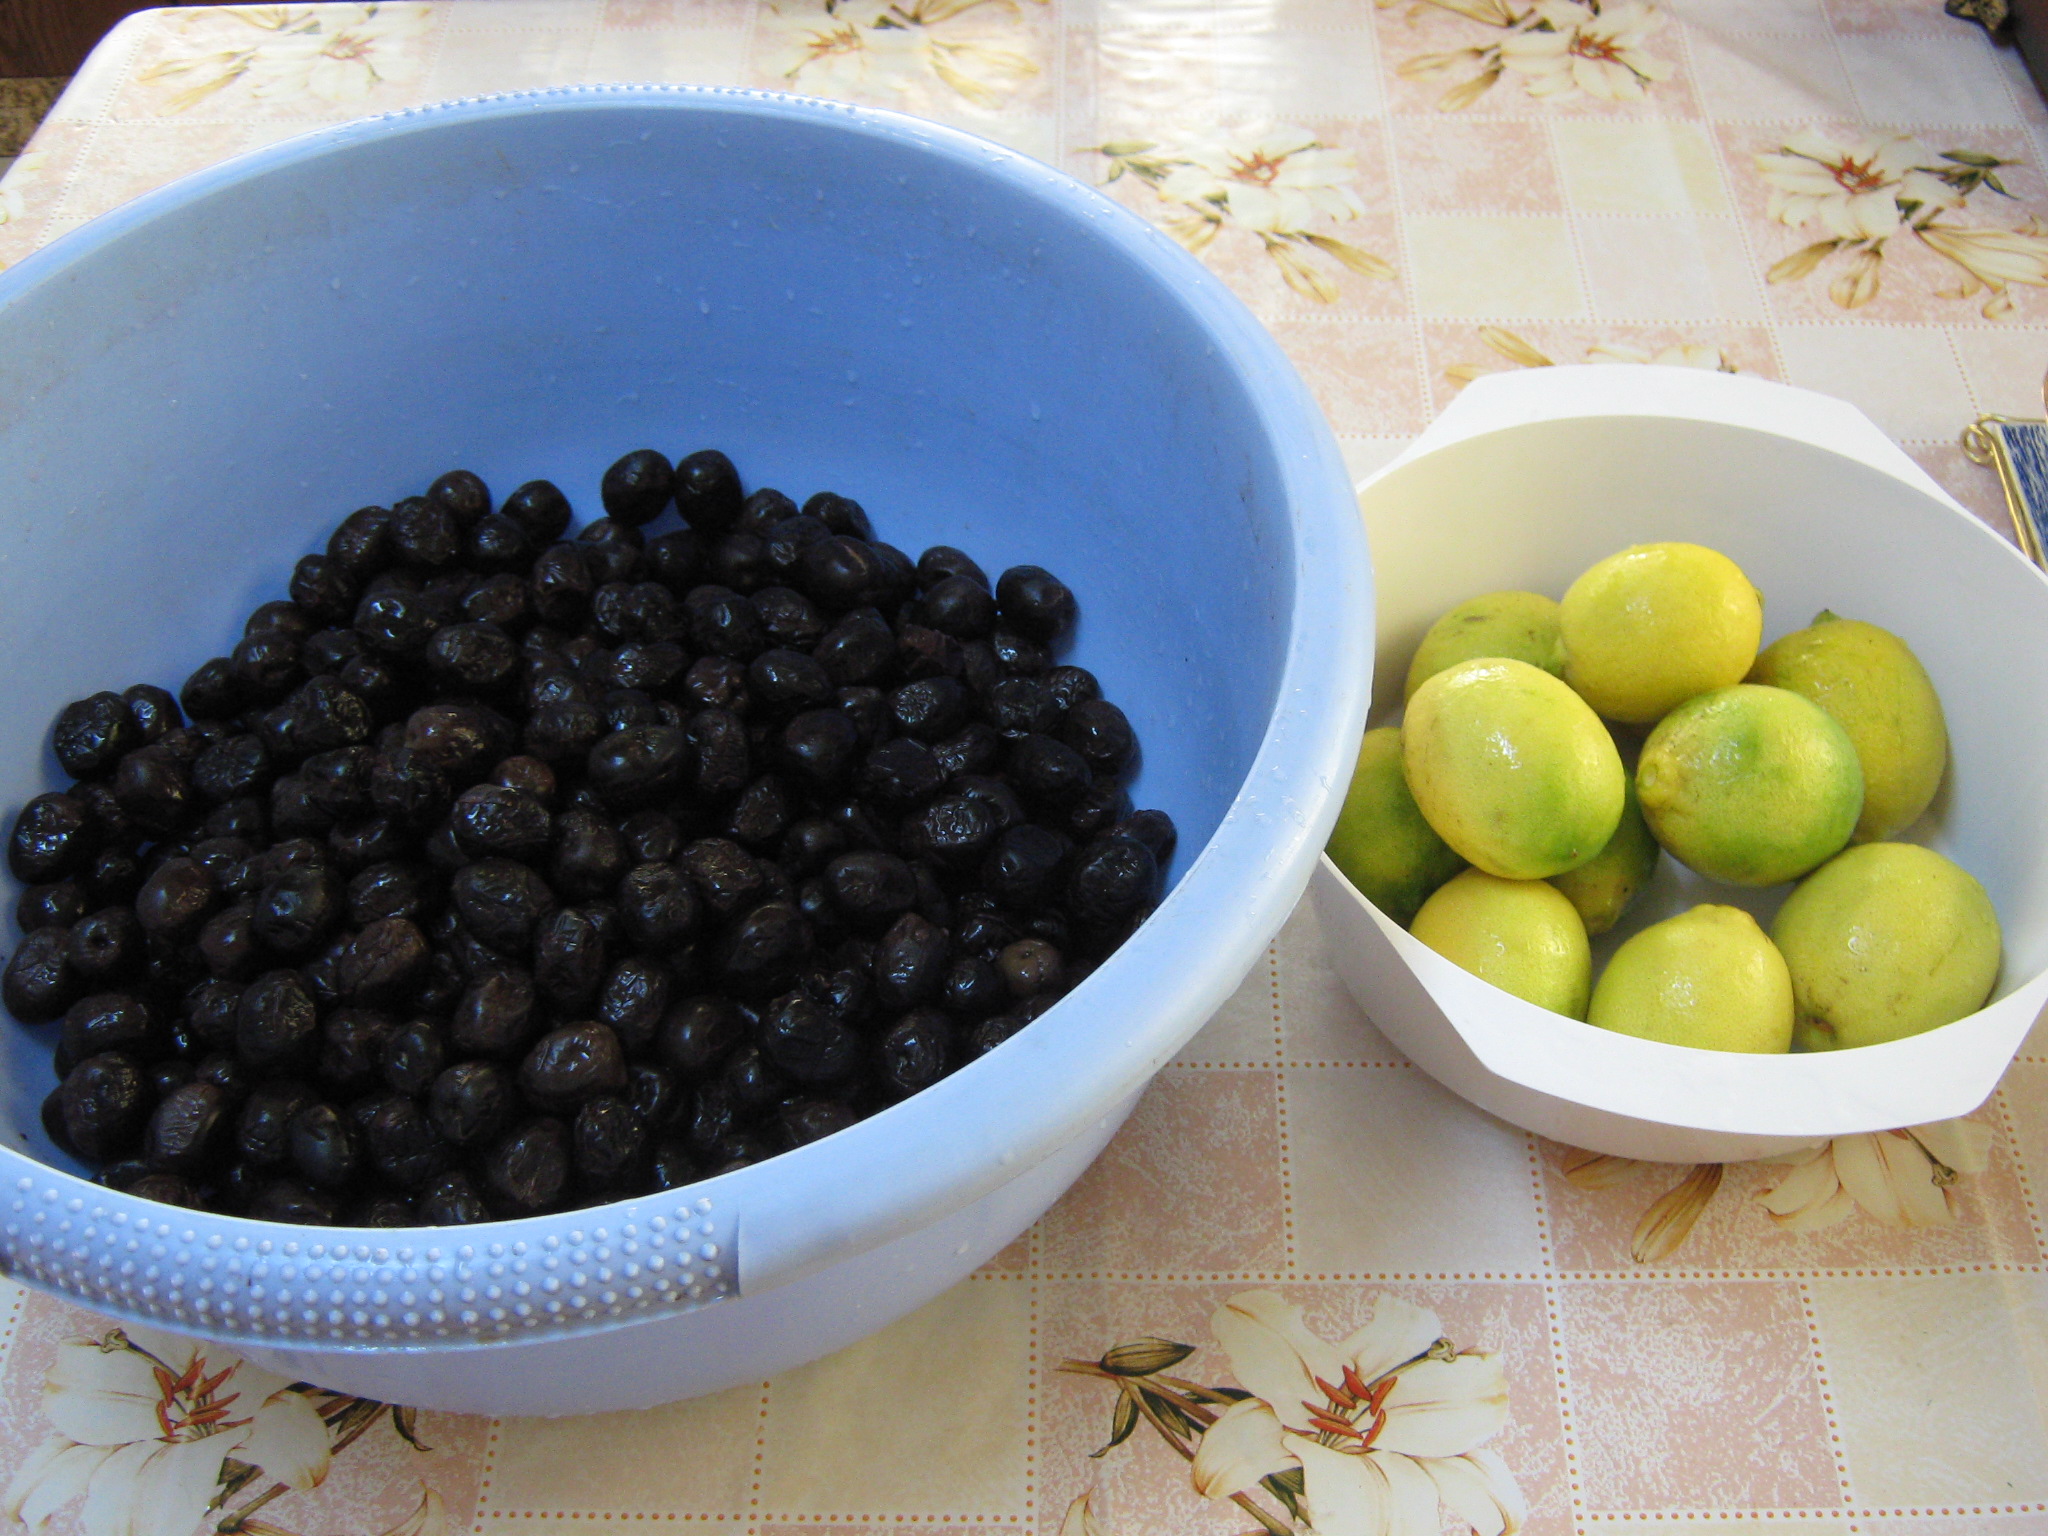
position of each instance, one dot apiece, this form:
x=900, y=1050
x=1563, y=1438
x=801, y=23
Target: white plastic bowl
x=1530, y=477
x=986, y=353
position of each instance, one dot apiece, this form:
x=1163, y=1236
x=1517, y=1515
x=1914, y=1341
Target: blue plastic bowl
x=982, y=351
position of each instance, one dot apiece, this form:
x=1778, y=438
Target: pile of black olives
x=498, y=872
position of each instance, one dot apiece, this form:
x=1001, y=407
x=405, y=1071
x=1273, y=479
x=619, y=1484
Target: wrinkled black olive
x=634, y=998
x=990, y=1033
x=803, y=1039
x=92, y=734
x=275, y=1020
x=803, y=1121
x=188, y=1130
x=296, y=911
x=955, y=832
x=819, y=747
x=569, y=959
x=958, y=606
x=758, y=953
x=412, y=1057
x=472, y=1102
x=324, y=1146
x=641, y=765
x=501, y=902
x=105, y=947
x=57, y=905
x=858, y=649
x=900, y=774
x=1024, y=869
x=638, y=487
x=497, y=1016
x=870, y=886
x=107, y=1021
x=916, y=1052
x=403, y=1145
x=529, y=1169
x=540, y=509
x=910, y=962
x=263, y=1128
x=698, y=1032
x=105, y=1103
x=54, y=836
x=569, y=1065
x=607, y=1141
x=1112, y=878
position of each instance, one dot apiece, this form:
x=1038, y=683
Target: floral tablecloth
x=1305, y=1288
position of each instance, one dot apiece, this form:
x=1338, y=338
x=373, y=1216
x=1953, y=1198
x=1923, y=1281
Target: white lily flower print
x=1380, y=1425
x=1524, y=354
x=874, y=47
x=1586, y=47
x=1558, y=49
x=1905, y=1178
x=144, y=1424
x=339, y=54
x=1277, y=183
x=1870, y=190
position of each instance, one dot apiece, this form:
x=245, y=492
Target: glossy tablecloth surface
x=1840, y=193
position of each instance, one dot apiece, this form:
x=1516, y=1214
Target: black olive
x=209, y=1013
x=955, y=832
x=540, y=509
x=491, y=821
x=841, y=514
x=724, y=874
x=501, y=902
x=461, y=495
x=1024, y=869
x=916, y=1052
x=275, y=1021
x=754, y=1081
x=658, y=905
x=462, y=740
x=424, y=534
x=858, y=649
x=958, y=606
x=900, y=774
x=299, y=909
x=1035, y=603
x=338, y=782
x=651, y=837
x=361, y=542
x=808, y=844
x=352, y=1044
x=805, y=1041
x=500, y=601
x=529, y=1169
x=265, y=666
x=569, y=959
x=54, y=836
x=723, y=623
x=1094, y=811
x=819, y=747
x=589, y=855
x=473, y=657
x=943, y=560
x=105, y=1103
x=324, y=1147
x=699, y=1032
x=761, y=813
x=92, y=734
x=641, y=765
x=786, y=680
x=212, y=692
x=839, y=572
x=563, y=732
x=228, y=945
x=263, y=1129
x=188, y=1130
x=569, y=1065
x=153, y=709
x=757, y=954
x=385, y=963
x=57, y=905
x=789, y=618
x=107, y=1021
x=923, y=652
x=990, y=1033
x=644, y=610
x=1018, y=655
x=802, y=1121
x=611, y=550
x=403, y=1145
x=626, y=709
x=472, y=1102
x=930, y=709
x=1112, y=879
x=327, y=651
x=392, y=889
x=672, y=1166
x=1047, y=770
x=287, y=1200
x=676, y=560
x=607, y=1141
x=634, y=998
x=412, y=1056
x=972, y=988
x=637, y=488
x=105, y=948
x=497, y=1016
x=910, y=962
x=561, y=584
x=871, y=887
x=324, y=589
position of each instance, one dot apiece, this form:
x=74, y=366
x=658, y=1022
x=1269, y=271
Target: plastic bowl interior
x=983, y=352
x=1529, y=479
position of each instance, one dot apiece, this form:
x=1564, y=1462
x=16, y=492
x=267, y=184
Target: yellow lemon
x=1888, y=940
x=1604, y=885
x=1749, y=784
x=1648, y=628
x=1511, y=768
x=1522, y=625
x=1876, y=690
x=1706, y=978
x=1521, y=935
x=1381, y=842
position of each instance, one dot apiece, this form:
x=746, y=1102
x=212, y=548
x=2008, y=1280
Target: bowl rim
x=1836, y=1092
x=805, y=1209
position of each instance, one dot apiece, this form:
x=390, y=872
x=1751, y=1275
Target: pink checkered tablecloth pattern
x=1845, y=194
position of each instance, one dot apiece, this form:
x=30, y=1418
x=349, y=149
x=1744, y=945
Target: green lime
x=1884, y=941
x=1875, y=688
x=1511, y=768
x=1521, y=935
x=1648, y=628
x=1749, y=784
x=1706, y=978
x=1604, y=885
x=1382, y=842
x=1521, y=625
